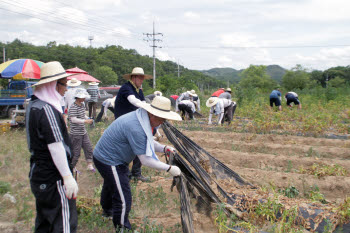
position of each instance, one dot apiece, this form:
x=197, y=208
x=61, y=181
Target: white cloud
x=163, y=56
x=192, y=15
x=237, y=40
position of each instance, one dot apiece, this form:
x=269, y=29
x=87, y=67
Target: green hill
x=233, y=76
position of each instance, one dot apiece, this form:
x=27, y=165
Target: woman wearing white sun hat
x=127, y=137
x=188, y=95
x=50, y=175
x=224, y=108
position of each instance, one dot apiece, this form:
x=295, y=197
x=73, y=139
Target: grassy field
x=155, y=208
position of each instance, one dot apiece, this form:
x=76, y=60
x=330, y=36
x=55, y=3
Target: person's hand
x=89, y=121
x=174, y=170
x=168, y=150
x=70, y=187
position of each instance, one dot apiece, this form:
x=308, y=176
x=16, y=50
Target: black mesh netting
x=207, y=180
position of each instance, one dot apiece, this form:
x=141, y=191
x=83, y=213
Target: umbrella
x=81, y=75
x=21, y=69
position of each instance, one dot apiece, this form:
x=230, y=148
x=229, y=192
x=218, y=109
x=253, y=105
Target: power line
x=256, y=47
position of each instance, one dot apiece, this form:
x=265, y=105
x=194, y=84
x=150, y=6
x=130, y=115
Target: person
x=51, y=179
x=185, y=96
x=69, y=99
x=173, y=99
x=275, y=98
x=77, y=132
x=94, y=95
x=218, y=92
x=108, y=104
x=130, y=136
x=187, y=107
x=292, y=97
x=226, y=94
x=150, y=97
x=224, y=108
x=129, y=98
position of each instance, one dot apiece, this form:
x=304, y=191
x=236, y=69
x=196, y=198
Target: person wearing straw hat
x=77, y=132
x=130, y=98
x=224, y=108
x=150, y=97
x=128, y=137
x=69, y=99
x=108, y=104
x=94, y=96
x=226, y=94
x=51, y=179
x=188, y=95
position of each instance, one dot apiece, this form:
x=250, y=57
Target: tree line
x=109, y=63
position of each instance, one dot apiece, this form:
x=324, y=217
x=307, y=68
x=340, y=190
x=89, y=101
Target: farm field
x=317, y=167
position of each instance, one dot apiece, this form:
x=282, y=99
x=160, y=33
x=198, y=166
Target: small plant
x=289, y=166
x=269, y=209
x=290, y=192
x=320, y=170
x=343, y=211
x=148, y=227
x=315, y=195
x=4, y=187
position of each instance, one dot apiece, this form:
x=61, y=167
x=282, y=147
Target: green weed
x=319, y=170
x=4, y=187
x=315, y=195
x=290, y=191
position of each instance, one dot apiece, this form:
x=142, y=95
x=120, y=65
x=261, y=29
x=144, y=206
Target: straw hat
x=137, y=71
x=93, y=83
x=80, y=93
x=212, y=101
x=158, y=93
x=51, y=71
x=160, y=107
x=192, y=93
x=228, y=89
x=73, y=82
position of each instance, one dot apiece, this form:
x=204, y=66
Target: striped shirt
x=93, y=92
x=78, y=112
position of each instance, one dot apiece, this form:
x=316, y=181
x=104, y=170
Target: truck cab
x=14, y=96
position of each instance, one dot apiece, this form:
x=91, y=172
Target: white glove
x=174, y=171
x=168, y=150
x=70, y=186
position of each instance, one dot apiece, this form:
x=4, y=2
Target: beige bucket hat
x=228, y=89
x=212, y=101
x=73, y=82
x=93, y=83
x=160, y=107
x=81, y=93
x=137, y=71
x=158, y=93
x=192, y=93
x=51, y=71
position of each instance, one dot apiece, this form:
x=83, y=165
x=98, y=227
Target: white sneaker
x=90, y=167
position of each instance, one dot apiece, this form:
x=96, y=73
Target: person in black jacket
x=128, y=99
x=51, y=179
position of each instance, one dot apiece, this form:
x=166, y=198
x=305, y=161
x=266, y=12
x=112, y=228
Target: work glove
x=168, y=150
x=174, y=170
x=70, y=187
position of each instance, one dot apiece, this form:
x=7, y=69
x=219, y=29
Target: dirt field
x=266, y=160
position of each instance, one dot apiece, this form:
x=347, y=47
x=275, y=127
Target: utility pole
x=178, y=69
x=153, y=39
x=3, y=54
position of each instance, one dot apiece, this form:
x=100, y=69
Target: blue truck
x=12, y=99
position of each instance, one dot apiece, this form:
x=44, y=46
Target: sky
x=197, y=34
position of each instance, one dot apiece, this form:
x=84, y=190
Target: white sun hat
x=192, y=93
x=137, y=71
x=158, y=93
x=93, y=83
x=160, y=107
x=228, y=89
x=51, y=71
x=73, y=82
x=81, y=93
x=212, y=101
